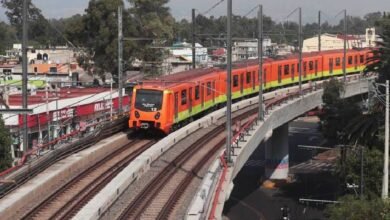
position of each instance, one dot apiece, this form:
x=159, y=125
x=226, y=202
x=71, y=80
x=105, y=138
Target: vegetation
x=338, y=112
x=364, y=131
x=5, y=143
x=352, y=209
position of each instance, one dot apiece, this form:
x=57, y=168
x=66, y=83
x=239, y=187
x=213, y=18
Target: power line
x=252, y=10
x=213, y=7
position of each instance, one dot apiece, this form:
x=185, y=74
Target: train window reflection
x=148, y=100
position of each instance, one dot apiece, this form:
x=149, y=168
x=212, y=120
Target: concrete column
x=40, y=137
x=276, y=154
x=68, y=129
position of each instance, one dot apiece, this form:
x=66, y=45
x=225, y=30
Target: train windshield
x=148, y=100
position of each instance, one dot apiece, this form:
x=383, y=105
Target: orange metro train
x=171, y=101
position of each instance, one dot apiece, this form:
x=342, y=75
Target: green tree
x=5, y=146
x=338, y=112
x=380, y=61
x=352, y=209
x=38, y=26
x=99, y=35
x=348, y=171
x=7, y=36
x=153, y=20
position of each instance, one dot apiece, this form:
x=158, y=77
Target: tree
x=38, y=26
x=380, y=61
x=7, y=36
x=97, y=31
x=153, y=20
x=348, y=171
x=352, y=209
x=5, y=146
x=338, y=112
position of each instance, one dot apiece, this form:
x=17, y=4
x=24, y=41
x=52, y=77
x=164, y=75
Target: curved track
x=158, y=199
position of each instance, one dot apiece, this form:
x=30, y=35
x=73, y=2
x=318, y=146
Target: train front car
x=149, y=109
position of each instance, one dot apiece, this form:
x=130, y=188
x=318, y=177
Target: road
x=249, y=200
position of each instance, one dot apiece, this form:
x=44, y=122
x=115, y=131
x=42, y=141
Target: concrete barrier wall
x=57, y=175
x=106, y=197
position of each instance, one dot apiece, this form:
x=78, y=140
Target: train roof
x=192, y=76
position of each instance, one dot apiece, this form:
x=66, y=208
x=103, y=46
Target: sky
x=277, y=9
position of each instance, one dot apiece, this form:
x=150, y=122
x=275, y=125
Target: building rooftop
x=64, y=93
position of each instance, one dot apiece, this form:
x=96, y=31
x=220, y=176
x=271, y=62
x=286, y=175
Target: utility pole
x=385, y=182
x=300, y=51
x=193, y=39
x=48, y=114
x=361, y=172
x=228, y=84
x=24, y=77
x=120, y=59
x=319, y=31
x=345, y=46
x=260, y=52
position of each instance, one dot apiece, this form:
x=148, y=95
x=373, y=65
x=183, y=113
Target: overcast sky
x=277, y=9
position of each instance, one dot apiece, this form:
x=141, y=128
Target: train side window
x=304, y=69
x=183, y=97
x=311, y=66
x=361, y=58
x=286, y=69
x=316, y=67
x=349, y=60
x=208, y=88
x=248, y=77
x=280, y=73
x=298, y=69
x=235, y=80
x=197, y=92
x=338, y=61
x=265, y=76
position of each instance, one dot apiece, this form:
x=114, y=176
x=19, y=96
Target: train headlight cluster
x=137, y=115
x=157, y=116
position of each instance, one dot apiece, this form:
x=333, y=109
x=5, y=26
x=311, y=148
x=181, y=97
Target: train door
x=330, y=65
x=242, y=83
x=176, y=107
x=254, y=80
x=202, y=94
x=356, y=62
x=279, y=73
x=264, y=77
x=316, y=68
x=292, y=72
x=213, y=91
x=190, y=100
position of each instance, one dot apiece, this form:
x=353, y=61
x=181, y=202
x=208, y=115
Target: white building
x=331, y=42
x=184, y=51
x=247, y=49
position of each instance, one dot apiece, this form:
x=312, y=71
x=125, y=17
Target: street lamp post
x=385, y=183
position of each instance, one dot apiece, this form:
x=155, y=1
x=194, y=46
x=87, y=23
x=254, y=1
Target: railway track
x=158, y=199
x=59, y=154
x=67, y=201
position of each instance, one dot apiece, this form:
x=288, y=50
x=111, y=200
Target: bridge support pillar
x=276, y=154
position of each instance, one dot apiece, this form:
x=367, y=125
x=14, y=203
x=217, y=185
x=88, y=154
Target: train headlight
x=157, y=116
x=137, y=115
